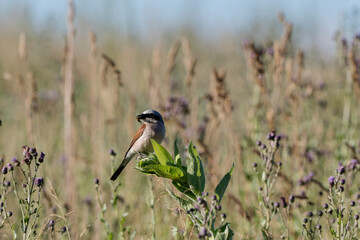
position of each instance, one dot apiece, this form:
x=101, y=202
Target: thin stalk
x=152, y=204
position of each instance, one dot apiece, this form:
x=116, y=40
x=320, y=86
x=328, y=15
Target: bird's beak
x=139, y=117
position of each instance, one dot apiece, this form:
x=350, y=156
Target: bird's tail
x=120, y=169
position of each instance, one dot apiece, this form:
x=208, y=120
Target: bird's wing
x=138, y=134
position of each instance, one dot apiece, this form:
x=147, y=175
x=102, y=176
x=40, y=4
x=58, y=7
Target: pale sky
x=315, y=21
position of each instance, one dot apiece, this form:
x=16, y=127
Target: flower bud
x=112, y=153
x=15, y=161
x=41, y=157
x=10, y=167
x=39, y=182
x=331, y=181
x=342, y=181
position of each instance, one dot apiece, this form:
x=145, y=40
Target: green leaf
x=221, y=187
x=170, y=172
x=225, y=233
x=162, y=154
x=184, y=204
x=195, y=171
x=177, y=154
x=184, y=188
x=149, y=160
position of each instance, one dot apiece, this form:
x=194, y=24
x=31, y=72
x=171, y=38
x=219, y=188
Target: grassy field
x=76, y=98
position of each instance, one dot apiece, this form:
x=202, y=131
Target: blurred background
x=151, y=22
x=222, y=74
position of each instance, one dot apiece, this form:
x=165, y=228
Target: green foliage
x=195, y=171
x=189, y=180
x=221, y=187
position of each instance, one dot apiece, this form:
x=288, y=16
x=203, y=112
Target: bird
x=152, y=127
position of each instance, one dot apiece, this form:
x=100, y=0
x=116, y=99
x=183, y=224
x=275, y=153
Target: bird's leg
x=142, y=155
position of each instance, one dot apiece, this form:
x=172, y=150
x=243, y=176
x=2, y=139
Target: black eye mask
x=148, y=115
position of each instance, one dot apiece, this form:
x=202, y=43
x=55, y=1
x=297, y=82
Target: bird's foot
x=142, y=155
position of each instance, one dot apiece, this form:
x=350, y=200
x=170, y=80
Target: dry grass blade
x=69, y=141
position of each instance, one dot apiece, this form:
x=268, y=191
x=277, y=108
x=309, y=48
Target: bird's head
x=150, y=116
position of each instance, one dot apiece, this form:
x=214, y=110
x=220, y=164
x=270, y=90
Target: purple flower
x=39, y=182
x=291, y=198
x=15, y=161
x=41, y=158
x=341, y=169
x=352, y=164
x=308, y=177
x=112, y=153
x=96, y=181
x=204, y=194
x=213, y=197
x=4, y=170
x=10, y=167
x=283, y=202
x=63, y=230
x=203, y=232
x=342, y=181
x=271, y=136
x=331, y=181
x=51, y=224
